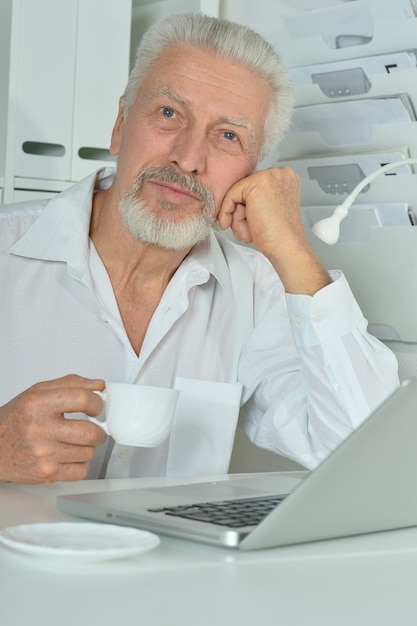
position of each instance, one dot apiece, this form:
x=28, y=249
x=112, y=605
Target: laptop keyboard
x=231, y=513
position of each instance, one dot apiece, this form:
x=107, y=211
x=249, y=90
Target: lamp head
x=328, y=229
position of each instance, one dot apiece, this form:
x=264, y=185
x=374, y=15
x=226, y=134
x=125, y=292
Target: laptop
x=368, y=484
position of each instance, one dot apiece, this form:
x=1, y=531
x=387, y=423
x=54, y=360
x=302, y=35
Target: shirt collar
x=208, y=257
x=61, y=232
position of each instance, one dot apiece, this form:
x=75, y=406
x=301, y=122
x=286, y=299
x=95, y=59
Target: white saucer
x=74, y=540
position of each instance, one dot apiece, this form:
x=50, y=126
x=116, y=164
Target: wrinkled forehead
x=201, y=77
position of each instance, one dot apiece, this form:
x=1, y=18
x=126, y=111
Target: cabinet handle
x=95, y=154
x=41, y=148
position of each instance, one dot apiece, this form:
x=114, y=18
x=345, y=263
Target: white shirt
x=309, y=371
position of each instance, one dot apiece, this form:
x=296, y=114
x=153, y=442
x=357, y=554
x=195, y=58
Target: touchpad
x=202, y=492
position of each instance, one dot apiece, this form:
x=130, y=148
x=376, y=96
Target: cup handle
x=102, y=425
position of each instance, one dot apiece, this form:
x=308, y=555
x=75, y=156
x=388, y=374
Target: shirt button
x=122, y=453
x=298, y=319
x=318, y=317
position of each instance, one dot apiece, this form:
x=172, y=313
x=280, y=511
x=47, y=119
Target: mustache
x=166, y=174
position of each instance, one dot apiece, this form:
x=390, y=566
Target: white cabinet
x=45, y=87
x=64, y=65
x=101, y=71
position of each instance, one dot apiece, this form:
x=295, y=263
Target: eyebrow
x=234, y=122
x=166, y=91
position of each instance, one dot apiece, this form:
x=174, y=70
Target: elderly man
x=122, y=278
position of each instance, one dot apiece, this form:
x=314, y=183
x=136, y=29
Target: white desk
x=368, y=580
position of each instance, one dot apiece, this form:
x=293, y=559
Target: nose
x=189, y=151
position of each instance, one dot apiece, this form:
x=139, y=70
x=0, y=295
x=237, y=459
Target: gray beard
x=165, y=230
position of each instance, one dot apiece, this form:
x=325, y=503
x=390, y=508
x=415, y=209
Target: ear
x=116, y=136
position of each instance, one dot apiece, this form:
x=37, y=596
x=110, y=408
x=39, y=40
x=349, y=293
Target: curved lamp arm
x=328, y=229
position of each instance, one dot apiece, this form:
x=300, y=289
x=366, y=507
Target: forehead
x=205, y=81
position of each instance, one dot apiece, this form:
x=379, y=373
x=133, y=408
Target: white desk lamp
x=328, y=229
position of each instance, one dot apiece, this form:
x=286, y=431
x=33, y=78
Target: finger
x=50, y=461
x=72, y=472
x=56, y=401
x=241, y=231
x=71, y=380
x=69, y=453
x=79, y=433
x=232, y=200
x=76, y=439
x=63, y=472
x=55, y=460
x=239, y=225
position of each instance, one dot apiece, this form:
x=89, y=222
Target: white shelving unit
x=64, y=64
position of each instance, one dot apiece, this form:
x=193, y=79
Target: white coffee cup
x=137, y=415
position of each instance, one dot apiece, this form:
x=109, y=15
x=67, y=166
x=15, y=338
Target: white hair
x=229, y=40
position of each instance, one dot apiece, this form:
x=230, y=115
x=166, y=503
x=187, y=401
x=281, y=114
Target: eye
x=168, y=112
x=228, y=134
